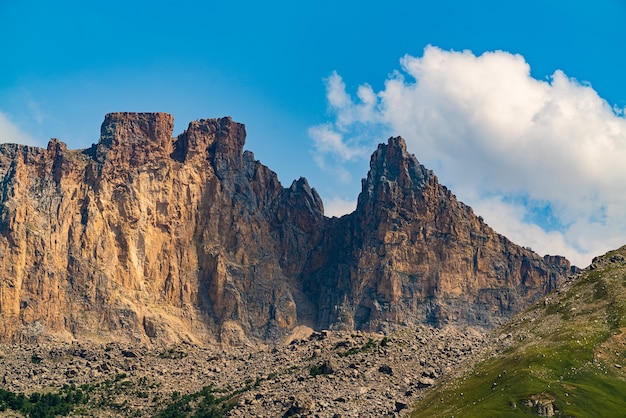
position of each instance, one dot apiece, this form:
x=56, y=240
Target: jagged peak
x=56, y=146
x=301, y=183
x=137, y=138
x=130, y=128
x=216, y=135
x=397, y=142
x=210, y=125
x=392, y=162
x=395, y=147
x=134, y=138
x=392, y=154
x=301, y=187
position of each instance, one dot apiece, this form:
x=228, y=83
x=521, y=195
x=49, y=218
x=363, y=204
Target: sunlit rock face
x=146, y=237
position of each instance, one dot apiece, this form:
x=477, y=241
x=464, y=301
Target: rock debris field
x=324, y=374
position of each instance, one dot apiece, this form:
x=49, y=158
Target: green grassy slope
x=564, y=356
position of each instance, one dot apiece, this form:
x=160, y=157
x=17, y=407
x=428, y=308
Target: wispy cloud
x=506, y=143
x=10, y=132
x=329, y=141
x=337, y=206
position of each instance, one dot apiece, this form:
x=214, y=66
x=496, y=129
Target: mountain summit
x=412, y=253
x=146, y=237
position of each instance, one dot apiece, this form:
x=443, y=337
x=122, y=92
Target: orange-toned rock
x=146, y=237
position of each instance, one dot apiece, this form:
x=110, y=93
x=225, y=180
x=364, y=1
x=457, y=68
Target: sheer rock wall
x=149, y=238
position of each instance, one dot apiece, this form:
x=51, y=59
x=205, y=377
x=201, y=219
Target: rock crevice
x=147, y=237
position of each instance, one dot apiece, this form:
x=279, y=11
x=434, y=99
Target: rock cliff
x=411, y=253
x=149, y=238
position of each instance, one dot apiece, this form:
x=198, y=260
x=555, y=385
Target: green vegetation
x=384, y=342
x=567, y=354
x=317, y=370
x=509, y=386
x=367, y=347
x=46, y=405
x=201, y=404
x=174, y=353
x=209, y=402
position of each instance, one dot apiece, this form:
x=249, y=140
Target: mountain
x=146, y=237
x=563, y=356
x=411, y=253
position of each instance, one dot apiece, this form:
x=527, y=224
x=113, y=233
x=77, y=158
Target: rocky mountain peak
x=391, y=153
x=146, y=237
x=397, y=185
x=301, y=191
x=393, y=170
x=131, y=139
x=219, y=140
x=415, y=254
x=56, y=147
x=135, y=138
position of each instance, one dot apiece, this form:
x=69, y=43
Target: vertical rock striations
x=411, y=253
x=146, y=237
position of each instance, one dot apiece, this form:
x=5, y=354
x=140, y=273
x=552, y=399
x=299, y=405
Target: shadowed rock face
x=146, y=237
x=411, y=253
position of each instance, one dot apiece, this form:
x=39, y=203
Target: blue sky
x=297, y=73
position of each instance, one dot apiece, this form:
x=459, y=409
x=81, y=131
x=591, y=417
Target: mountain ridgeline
x=563, y=356
x=145, y=237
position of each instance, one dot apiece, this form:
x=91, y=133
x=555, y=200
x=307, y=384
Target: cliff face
x=145, y=237
x=411, y=253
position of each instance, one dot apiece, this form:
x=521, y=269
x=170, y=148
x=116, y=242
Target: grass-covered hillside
x=565, y=356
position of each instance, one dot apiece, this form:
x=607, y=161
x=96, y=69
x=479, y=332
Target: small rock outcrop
x=146, y=237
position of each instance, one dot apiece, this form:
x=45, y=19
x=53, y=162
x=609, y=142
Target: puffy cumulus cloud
x=347, y=137
x=348, y=112
x=511, y=220
x=9, y=132
x=506, y=143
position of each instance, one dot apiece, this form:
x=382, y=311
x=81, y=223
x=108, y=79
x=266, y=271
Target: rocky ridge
x=412, y=254
x=146, y=238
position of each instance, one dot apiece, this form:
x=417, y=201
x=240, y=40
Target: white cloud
x=9, y=132
x=336, y=92
x=503, y=216
x=493, y=133
x=337, y=206
x=348, y=137
x=328, y=140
